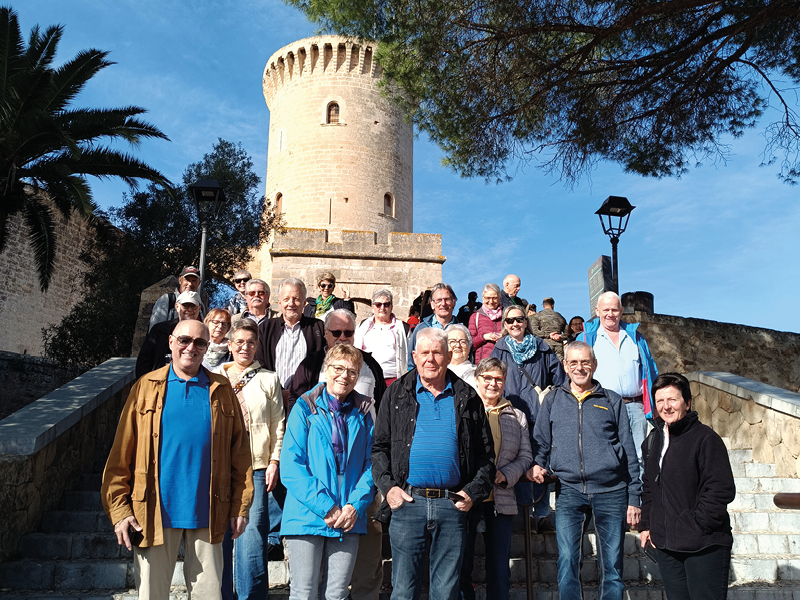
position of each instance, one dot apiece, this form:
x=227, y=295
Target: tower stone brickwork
x=340, y=172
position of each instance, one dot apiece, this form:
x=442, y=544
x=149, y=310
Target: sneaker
x=544, y=525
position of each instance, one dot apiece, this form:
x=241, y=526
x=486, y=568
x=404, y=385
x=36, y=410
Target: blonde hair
x=344, y=352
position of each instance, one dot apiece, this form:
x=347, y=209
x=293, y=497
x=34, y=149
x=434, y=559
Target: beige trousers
x=367, y=578
x=202, y=565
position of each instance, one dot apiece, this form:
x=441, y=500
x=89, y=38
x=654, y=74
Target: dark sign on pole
x=601, y=280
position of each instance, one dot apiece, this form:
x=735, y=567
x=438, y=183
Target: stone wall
x=408, y=264
x=24, y=309
x=752, y=415
x=25, y=378
x=683, y=345
x=46, y=446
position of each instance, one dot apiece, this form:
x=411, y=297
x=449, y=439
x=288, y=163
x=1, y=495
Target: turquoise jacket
x=647, y=370
x=308, y=466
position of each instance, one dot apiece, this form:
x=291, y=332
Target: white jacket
x=266, y=416
x=400, y=341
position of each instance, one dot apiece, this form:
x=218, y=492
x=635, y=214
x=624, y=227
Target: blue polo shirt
x=433, y=462
x=185, y=452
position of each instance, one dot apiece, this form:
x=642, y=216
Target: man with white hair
x=624, y=362
x=257, y=293
x=508, y=297
x=432, y=459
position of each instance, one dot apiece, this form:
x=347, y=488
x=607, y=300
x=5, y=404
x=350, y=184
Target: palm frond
x=42, y=49
x=87, y=125
x=69, y=78
x=41, y=234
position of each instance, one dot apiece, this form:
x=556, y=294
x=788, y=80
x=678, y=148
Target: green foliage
x=653, y=86
x=157, y=233
x=51, y=147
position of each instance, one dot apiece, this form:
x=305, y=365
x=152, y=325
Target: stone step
x=53, y=546
x=66, y=575
x=771, y=485
x=753, y=501
x=88, y=500
x=740, y=455
x=77, y=521
x=747, y=544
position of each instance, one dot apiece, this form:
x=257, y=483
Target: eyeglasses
x=326, y=286
x=338, y=332
x=339, y=370
x=574, y=364
x=382, y=304
x=510, y=320
x=184, y=341
x=254, y=293
x=243, y=280
x=224, y=324
x=446, y=300
x=457, y=343
x=246, y=343
x=490, y=379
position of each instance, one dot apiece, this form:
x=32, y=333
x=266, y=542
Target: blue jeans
x=411, y=525
x=321, y=567
x=276, y=499
x=638, y=423
x=573, y=510
x=497, y=541
x=249, y=573
x=527, y=491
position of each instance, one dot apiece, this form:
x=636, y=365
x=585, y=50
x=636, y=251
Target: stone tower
x=340, y=172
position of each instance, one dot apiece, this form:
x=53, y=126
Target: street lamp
x=614, y=209
x=209, y=197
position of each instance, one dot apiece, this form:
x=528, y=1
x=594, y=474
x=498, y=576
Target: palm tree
x=48, y=149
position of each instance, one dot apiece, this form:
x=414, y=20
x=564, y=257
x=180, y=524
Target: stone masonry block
x=791, y=435
x=753, y=413
x=772, y=425
x=785, y=463
x=724, y=423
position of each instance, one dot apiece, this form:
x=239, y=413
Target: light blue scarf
x=522, y=351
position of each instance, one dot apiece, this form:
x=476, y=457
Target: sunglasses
x=245, y=280
x=326, y=286
x=382, y=304
x=338, y=332
x=510, y=320
x=184, y=341
x=254, y=293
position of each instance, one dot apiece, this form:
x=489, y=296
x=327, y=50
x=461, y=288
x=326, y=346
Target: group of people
x=307, y=425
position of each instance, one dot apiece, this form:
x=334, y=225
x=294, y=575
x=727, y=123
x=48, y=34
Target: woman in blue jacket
x=327, y=472
x=532, y=368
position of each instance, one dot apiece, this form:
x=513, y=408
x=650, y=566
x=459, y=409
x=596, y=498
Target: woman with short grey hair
x=385, y=337
x=459, y=342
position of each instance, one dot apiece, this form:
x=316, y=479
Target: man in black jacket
x=340, y=325
x=432, y=458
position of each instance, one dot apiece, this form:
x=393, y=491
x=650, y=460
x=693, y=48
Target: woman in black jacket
x=687, y=486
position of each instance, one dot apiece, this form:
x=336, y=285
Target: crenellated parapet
x=320, y=57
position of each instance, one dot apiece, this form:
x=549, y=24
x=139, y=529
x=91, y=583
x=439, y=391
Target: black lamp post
x=614, y=215
x=209, y=197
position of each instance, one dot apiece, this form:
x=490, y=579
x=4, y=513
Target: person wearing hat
x=238, y=303
x=164, y=308
x=155, y=352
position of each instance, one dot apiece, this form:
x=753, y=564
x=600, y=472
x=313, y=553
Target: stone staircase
x=76, y=555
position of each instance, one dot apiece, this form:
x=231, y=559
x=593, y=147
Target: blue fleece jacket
x=589, y=443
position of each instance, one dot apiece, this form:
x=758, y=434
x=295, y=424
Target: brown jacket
x=129, y=480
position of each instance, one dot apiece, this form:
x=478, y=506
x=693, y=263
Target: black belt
x=639, y=398
x=434, y=493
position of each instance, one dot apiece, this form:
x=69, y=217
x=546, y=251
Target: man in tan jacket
x=179, y=468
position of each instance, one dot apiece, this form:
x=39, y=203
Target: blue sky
x=719, y=243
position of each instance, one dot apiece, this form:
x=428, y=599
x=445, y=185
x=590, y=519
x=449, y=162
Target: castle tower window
x=333, y=113
x=388, y=205
x=278, y=204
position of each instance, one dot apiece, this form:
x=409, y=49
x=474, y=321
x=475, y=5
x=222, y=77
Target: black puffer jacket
x=394, y=432
x=684, y=502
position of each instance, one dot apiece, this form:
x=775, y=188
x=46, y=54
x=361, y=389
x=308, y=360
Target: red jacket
x=483, y=348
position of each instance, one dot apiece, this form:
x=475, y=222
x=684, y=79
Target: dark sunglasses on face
x=254, y=293
x=510, y=320
x=184, y=341
x=338, y=332
x=244, y=280
x=382, y=304
x=326, y=286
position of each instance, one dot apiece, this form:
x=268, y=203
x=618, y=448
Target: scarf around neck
x=338, y=411
x=493, y=314
x=524, y=350
x=324, y=305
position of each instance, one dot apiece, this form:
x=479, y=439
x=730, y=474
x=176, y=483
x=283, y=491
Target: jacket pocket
x=139, y=492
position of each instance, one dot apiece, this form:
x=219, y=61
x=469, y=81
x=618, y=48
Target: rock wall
x=25, y=378
x=683, y=345
x=24, y=308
